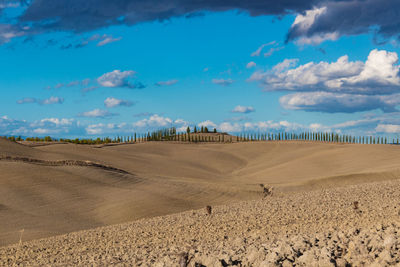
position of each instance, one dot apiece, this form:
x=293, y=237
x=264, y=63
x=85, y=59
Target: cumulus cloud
x=118, y=78
x=340, y=86
x=154, y=121
x=63, y=127
x=209, y=124
x=387, y=128
x=112, y=102
x=223, y=82
x=230, y=127
x=167, y=83
x=46, y=126
x=304, y=22
x=52, y=100
x=378, y=74
x=102, y=128
x=243, y=109
x=251, y=64
x=47, y=101
x=336, y=102
x=333, y=19
x=97, y=113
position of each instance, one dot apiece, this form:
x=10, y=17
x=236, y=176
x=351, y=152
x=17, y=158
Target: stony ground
x=314, y=228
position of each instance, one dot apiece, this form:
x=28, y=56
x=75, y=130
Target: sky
x=72, y=68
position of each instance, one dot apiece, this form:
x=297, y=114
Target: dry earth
x=315, y=228
x=309, y=219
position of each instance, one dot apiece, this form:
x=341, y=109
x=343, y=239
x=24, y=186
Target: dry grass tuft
x=209, y=210
x=267, y=191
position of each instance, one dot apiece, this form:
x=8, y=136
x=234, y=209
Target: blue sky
x=222, y=67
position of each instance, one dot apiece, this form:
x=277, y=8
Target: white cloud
x=222, y=82
x=73, y=83
x=154, y=121
x=52, y=100
x=108, y=40
x=64, y=127
x=237, y=119
x=116, y=78
x=112, y=102
x=96, y=113
x=57, y=121
x=318, y=38
x=9, y=31
x=285, y=64
x=378, y=75
x=48, y=101
x=387, y=128
x=243, y=109
x=89, y=89
x=258, y=51
x=251, y=64
x=229, y=127
x=95, y=129
x=46, y=126
x=272, y=50
x=303, y=23
x=167, y=83
x=335, y=102
x=27, y=100
x=207, y=123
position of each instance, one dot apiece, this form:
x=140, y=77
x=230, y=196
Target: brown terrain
x=144, y=204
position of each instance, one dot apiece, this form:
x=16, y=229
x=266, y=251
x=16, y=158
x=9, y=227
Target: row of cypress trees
x=315, y=136
x=170, y=134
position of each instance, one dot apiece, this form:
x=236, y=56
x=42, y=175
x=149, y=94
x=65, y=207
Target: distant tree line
x=315, y=136
x=204, y=135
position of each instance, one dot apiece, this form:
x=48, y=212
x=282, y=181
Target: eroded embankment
x=81, y=163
